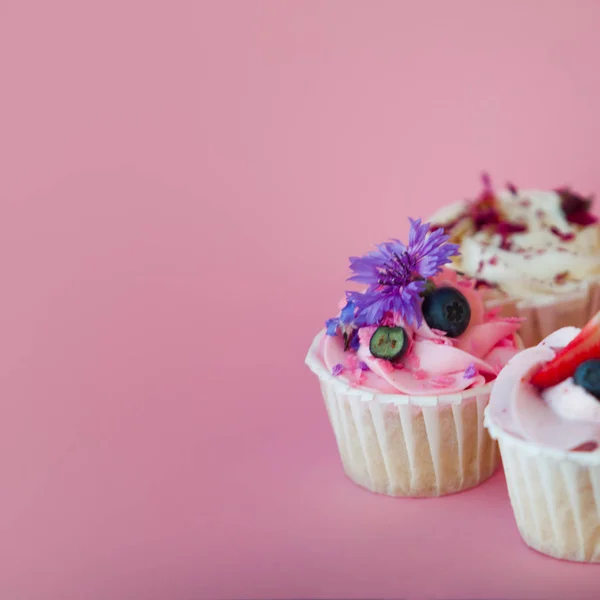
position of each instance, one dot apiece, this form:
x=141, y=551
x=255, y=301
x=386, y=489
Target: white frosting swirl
x=552, y=257
x=564, y=417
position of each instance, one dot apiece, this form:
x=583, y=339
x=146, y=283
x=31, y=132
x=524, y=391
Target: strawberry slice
x=585, y=346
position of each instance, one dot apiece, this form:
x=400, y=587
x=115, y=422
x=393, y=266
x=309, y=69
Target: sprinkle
x=514, y=319
x=412, y=360
x=385, y=365
x=363, y=366
x=439, y=332
x=512, y=188
x=471, y=371
x=352, y=362
x=493, y=260
x=357, y=379
x=337, y=369
x=480, y=266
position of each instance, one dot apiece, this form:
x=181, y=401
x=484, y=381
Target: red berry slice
x=585, y=346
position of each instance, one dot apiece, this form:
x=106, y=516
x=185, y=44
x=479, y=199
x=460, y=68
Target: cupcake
x=406, y=369
x=545, y=413
x=536, y=253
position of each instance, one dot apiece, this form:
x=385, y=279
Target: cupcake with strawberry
x=406, y=368
x=545, y=413
x=535, y=253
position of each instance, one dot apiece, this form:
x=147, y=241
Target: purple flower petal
x=337, y=369
x=354, y=342
x=332, y=325
x=347, y=314
x=471, y=371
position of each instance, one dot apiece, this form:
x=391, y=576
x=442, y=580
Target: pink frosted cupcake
x=535, y=252
x=406, y=370
x=545, y=413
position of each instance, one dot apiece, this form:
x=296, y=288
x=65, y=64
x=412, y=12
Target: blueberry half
x=448, y=310
x=389, y=343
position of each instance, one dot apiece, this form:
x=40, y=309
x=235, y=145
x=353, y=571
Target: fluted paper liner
x=555, y=496
x=403, y=445
x=541, y=319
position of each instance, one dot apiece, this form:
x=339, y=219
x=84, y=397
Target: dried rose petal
x=571, y=202
x=564, y=237
x=560, y=278
x=582, y=218
x=507, y=228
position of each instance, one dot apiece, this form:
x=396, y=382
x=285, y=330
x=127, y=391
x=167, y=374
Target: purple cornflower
x=395, y=273
x=470, y=371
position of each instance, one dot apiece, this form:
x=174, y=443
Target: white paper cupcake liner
x=555, y=496
x=403, y=445
x=544, y=318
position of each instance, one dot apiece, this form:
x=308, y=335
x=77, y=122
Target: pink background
x=181, y=184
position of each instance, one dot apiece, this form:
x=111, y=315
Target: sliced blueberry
x=587, y=375
x=448, y=310
x=389, y=343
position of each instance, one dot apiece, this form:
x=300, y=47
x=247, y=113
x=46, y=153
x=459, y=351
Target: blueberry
x=448, y=310
x=389, y=343
x=587, y=375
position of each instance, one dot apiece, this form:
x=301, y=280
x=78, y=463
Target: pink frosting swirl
x=565, y=416
x=434, y=364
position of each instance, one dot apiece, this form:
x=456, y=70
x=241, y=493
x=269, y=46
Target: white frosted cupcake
x=406, y=370
x=545, y=413
x=536, y=252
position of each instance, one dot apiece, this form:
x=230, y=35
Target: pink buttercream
x=564, y=416
x=434, y=364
